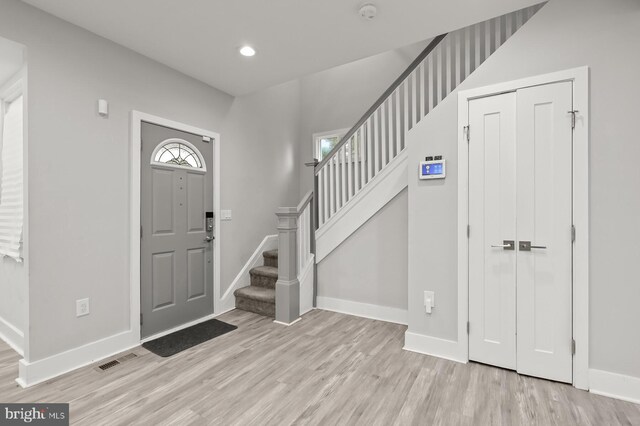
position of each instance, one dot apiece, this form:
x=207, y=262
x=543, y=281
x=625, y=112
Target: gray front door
x=176, y=248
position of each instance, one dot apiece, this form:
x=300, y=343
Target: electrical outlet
x=82, y=307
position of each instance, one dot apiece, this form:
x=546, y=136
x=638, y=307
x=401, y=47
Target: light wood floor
x=327, y=369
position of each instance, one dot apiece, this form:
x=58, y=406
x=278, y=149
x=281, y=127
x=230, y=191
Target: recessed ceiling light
x=247, y=51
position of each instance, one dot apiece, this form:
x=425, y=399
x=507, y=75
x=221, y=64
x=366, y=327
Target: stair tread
x=260, y=294
x=271, y=254
x=265, y=271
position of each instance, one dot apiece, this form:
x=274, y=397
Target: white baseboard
x=12, y=336
x=365, y=310
x=243, y=279
x=376, y=194
x=613, y=385
x=32, y=373
x=428, y=345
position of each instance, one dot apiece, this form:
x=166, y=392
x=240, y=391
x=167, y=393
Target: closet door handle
x=506, y=244
x=527, y=246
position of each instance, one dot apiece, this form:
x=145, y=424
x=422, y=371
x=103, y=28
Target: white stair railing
x=379, y=136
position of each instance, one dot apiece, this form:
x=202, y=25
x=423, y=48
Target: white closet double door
x=520, y=241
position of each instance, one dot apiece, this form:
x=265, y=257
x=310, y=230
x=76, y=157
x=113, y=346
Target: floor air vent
x=108, y=365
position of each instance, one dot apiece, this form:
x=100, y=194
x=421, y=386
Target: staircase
x=260, y=296
x=369, y=166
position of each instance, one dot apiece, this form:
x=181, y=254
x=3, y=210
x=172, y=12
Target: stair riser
x=271, y=261
x=261, y=308
x=262, y=281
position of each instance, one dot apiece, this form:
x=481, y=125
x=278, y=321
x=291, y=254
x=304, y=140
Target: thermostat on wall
x=433, y=169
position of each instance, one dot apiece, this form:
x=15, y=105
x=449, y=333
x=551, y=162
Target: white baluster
x=457, y=62
x=363, y=163
x=439, y=73
x=431, y=81
x=350, y=160
x=376, y=142
x=332, y=187
x=320, y=198
x=405, y=111
x=325, y=180
x=467, y=52
x=343, y=172
x=389, y=144
x=398, y=122
x=421, y=110
x=477, y=50
x=383, y=134
x=370, y=148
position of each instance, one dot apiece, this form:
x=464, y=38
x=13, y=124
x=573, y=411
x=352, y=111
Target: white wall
x=338, y=97
x=371, y=265
x=563, y=34
x=79, y=169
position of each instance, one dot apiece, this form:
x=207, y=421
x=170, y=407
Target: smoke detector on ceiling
x=368, y=12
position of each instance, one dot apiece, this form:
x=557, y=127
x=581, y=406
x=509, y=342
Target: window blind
x=11, y=181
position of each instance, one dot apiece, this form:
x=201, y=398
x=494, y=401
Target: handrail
x=305, y=201
x=416, y=62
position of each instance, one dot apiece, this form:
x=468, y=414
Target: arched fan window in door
x=178, y=153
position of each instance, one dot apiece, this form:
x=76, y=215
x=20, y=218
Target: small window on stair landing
x=178, y=153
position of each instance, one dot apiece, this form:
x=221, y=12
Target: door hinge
x=141, y=319
x=468, y=327
x=573, y=346
x=140, y=231
x=573, y=117
x=468, y=231
x=467, y=130
x=573, y=233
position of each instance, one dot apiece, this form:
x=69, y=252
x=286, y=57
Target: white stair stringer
x=378, y=192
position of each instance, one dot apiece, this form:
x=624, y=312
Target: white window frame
x=316, y=149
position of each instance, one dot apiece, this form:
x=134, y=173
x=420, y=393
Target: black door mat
x=174, y=343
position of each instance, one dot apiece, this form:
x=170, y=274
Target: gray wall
x=335, y=99
x=259, y=153
x=13, y=275
x=564, y=34
x=371, y=265
x=79, y=170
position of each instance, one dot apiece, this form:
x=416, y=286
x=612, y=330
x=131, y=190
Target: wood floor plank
x=327, y=369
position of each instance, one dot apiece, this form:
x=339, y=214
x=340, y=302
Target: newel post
x=287, y=286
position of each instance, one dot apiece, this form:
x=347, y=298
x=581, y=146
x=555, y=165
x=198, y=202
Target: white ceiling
x=293, y=37
x=11, y=59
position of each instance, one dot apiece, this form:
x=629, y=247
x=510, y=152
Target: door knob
x=208, y=239
x=506, y=244
x=527, y=246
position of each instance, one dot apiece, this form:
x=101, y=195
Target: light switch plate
x=430, y=295
x=225, y=214
x=82, y=307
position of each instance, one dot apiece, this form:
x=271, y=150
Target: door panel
x=195, y=202
x=492, y=198
x=163, y=280
x=176, y=262
x=163, y=206
x=544, y=165
x=196, y=273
